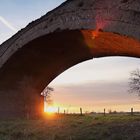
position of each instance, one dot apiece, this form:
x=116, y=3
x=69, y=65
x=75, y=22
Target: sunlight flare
x=51, y=109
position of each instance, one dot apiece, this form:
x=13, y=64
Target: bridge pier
x=22, y=101
x=14, y=104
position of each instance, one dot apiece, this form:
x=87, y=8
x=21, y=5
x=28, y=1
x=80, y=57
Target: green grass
x=73, y=127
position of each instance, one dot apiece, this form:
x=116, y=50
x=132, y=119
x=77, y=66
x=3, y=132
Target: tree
x=134, y=82
x=47, y=96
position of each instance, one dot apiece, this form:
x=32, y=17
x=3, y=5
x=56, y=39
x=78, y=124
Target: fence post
x=104, y=111
x=81, y=113
x=58, y=110
x=132, y=113
x=64, y=112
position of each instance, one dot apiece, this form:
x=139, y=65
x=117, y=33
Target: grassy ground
x=73, y=127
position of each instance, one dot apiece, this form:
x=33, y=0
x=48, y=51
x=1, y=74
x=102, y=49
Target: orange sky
x=97, y=84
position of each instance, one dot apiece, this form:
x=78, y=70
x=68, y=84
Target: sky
x=16, y=14
x=97, y=84
x=93, y=85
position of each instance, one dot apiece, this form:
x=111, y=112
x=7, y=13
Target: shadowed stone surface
x=76, y=31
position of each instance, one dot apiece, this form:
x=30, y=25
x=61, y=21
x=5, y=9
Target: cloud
x=99, y=90
x=7, y=24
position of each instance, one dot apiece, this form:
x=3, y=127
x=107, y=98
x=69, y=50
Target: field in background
x=73, y=127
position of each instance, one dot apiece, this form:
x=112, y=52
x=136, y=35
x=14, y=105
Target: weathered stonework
x=76, y=31
x=122, y=17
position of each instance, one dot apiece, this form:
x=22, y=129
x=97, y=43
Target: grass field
x=73, y=127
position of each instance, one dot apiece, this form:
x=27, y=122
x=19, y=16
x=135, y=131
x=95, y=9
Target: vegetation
x=73, y=127
x=134, y=82
x=47, y=95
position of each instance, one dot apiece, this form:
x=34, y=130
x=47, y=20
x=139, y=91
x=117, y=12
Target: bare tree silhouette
x=134, y=82
x=47, y=96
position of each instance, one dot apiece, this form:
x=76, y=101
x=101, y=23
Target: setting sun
x=51, y=109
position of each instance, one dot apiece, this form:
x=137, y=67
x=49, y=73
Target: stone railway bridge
x=76, y=31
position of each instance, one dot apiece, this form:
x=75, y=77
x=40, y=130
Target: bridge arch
x=74, y=32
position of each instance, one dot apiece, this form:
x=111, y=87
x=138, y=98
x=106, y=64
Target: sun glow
x=51, y=109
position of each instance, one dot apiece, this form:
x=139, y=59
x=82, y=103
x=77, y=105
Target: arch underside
x=36, y=64
x=46, y=57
